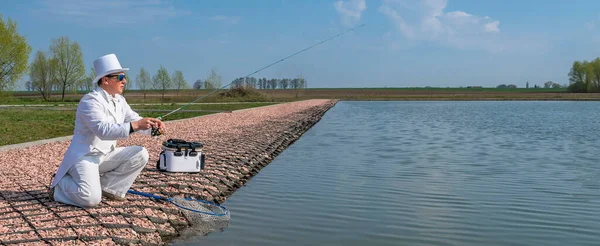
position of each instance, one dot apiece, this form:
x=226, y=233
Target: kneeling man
x=93, y=166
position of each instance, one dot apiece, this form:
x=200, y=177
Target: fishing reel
x=156, y=131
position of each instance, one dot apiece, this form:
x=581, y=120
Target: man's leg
x=120, y=168
x=81, y=185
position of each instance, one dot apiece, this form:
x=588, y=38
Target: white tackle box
x=181, y=156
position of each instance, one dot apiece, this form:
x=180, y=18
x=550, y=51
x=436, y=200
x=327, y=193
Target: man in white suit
x=93, y=166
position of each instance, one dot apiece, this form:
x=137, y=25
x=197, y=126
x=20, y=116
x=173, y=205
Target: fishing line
x=198, y=210
x=282, y=59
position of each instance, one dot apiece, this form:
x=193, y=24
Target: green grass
x=25, y=125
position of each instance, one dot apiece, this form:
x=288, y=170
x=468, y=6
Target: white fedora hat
x=106, y=65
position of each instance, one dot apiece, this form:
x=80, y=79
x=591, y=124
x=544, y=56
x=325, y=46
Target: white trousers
x=114, y=173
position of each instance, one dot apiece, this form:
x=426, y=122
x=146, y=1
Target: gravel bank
x=237, y=145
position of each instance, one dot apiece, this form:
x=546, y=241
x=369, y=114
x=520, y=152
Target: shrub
x=244, y=94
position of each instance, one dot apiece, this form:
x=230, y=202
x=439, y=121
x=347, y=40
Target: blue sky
x=404, y=43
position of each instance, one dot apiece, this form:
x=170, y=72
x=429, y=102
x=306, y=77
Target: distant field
x=281, y=95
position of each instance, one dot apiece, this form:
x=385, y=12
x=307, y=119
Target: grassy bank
x=21, y=124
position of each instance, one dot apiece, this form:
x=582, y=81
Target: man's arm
x=130, y=117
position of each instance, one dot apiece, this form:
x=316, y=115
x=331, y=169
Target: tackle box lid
x=180, y=143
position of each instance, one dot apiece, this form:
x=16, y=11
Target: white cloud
x=350, y=11
x=108, y=13
x=492, y=26
x=232, y=20
x=426, y=20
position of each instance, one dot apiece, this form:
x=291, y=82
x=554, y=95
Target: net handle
x=148, y=195
x=180, y=206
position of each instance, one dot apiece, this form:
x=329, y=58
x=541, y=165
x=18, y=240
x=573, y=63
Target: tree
x=300, y=84
x=128, y=84
x=89, y=83
x=527, y=84
x=162, y=81
x=588, y=76
x=28, y=86
x=576, y=74
x=42, y=73
x=584, y=76
x=283, y=83
x=70, y=63
x=272, y=84
x=550, y=84
x=143, y=81
x=594, y=69
x=179, y=81
x=198, y=84
x=213, y=81
x=237, y=83
x=86, y=83
x=14, y=54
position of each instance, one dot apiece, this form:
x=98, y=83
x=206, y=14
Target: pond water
x=429, y=173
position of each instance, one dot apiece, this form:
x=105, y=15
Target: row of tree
x=161, y=81
x=274, y=83
x=585, y=76
x=552, y=84
x=547, y=84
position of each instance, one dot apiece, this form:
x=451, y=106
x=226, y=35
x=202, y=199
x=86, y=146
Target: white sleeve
x=131, y=115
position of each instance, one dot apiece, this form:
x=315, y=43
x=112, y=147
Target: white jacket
x=97, y=127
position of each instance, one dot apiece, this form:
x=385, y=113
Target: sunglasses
x=120, y=77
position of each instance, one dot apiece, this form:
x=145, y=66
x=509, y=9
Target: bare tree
x=162, y=81
x=70, y=63
x=143, y=81
x=42, y=74
x=213, y=81
x=179, y=81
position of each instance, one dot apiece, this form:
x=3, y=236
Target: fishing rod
x=158, y=131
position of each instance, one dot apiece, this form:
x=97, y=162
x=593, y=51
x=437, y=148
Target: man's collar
x=106, y=95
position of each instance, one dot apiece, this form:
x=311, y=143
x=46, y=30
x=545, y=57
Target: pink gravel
x=236, y=145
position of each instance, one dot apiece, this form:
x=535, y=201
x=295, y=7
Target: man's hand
x=148, y=123
x=160, y=124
